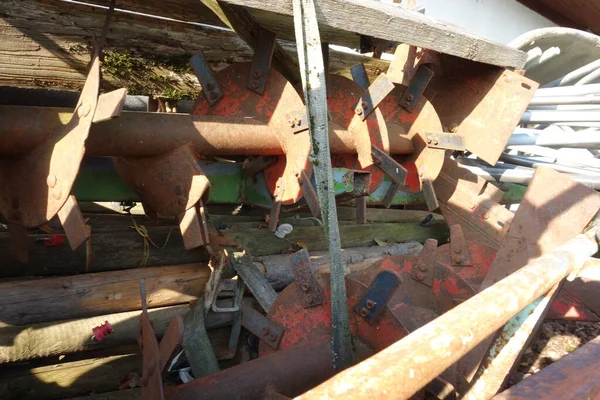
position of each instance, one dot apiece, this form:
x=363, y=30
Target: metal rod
x=406, y=366
x=536, y=117
x=579, y=139
x=550, y=100
x=568, y=90
x=592, y=76
x=574, y=75
x=146, y=134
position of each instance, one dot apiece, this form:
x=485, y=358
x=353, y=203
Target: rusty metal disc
x=304, y=325
x=274, y=107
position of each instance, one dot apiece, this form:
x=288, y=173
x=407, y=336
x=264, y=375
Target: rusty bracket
x=446, y=141
x=298, y=121
x=204, y=73
x=263, y=327
x=310, y=290
x=458, y=246
x=430, y=196
x=110, y=105
x=254, y=165
x=171, y=184
x=229, y=288
x=276, y=207
x=152, y=384
x=261, y=61
x=424, y=268
x=359, y=75
x=378, y=294
x=396, y=172
x=373, y=95
x=414, y=91
x=73, y=223
x=254, y=279
x=171, y=342
x=310, y=194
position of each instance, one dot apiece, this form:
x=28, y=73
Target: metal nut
x=486, y=215
x=422, y=267
x=359, y=110
x=370, y=304
x=419, y=276
x=273, y=337
x=365, y=311
x=364, y=105
x=457, y=250
x=436, y=142
x=410, y=97
x=51, y=180
x=256, y=74
x=304, y=287
x=255, y=84
x=266, y=331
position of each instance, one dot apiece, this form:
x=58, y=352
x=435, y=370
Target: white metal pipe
x=549, y=100
x=568, y=90
x=574, y=75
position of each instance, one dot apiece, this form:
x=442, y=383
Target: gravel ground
x=557, y=339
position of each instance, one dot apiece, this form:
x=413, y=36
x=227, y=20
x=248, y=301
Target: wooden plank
x=146, y=55
x=262, y=242
x=110, y=250
x=50, y=299
x=391, y=22
x=68, y=379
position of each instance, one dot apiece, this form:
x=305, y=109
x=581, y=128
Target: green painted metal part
x=98, y=181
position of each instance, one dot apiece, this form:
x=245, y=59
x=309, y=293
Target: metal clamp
x=418, y=85
x=373, y=95
x=380, y=291
x=263, y=327
x=446, y=141
x=261, y=61
x=204, y=73
x=458, y=246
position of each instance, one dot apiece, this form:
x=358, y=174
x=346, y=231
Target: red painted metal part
x=304, y=325
x=274, y=108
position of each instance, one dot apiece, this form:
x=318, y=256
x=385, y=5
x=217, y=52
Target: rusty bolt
x=309, y=298
x=370, y=304
x=304, y=287
x=256, y=74
x=419, y=276
x=273, y=337
x=429, y=140
x=421, y=174
x=364, y=105
x=376, y=160
x=179, y=190
x=265, y=331
x=457, y=250
x=359, y=110
x=298, y=121
x=422, y=267
x=507, y=78
x=255, y=84
x=57, y=193
x=51, y=180
x=410, y=97
x=210, y=86
x=457, y=259
x=486, y=215
x=182, y=201
x=436, y=142
x=406, y=104
x=365, y=311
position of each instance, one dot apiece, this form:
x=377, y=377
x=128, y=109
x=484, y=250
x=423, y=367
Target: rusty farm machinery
x=275, y=136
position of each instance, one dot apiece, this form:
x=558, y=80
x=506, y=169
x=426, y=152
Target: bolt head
x=256, y=74
x=457, y=250
x=56, y=193
x=51, y=180
x=486, y=215
x=179, y=190
x=265, y=331
x=365, y=311
x=370, y=304
x=410, y=97
x=210, y=86
x=359, y=110
x=298, y=121
x=255, y=84
x=436, y=142
x=429, y=140
x=304, y=287
x=420, y=276
x=83, y=110
x=422, y=267
x=273, y=337
x=364, y=104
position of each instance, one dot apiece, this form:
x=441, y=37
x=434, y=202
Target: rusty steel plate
x=275, y=108
x=169, y=184
x=37, y=185
x=305, y=325
x=481, y=103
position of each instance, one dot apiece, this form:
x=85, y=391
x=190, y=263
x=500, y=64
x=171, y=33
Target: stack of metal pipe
x=559, y=130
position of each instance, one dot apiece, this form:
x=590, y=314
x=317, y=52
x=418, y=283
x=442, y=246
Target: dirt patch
x=557, y=339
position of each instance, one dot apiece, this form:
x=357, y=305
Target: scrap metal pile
x=447, y=319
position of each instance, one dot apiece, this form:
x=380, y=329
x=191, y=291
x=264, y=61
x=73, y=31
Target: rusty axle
x=148, y=134
x=408, y=365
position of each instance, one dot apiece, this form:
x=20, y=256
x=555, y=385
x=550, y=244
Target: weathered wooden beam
x=391, y=22
x=147, y=55
x=34, y=301
x=58, y=338
x=261, y=242
x=68, y=379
